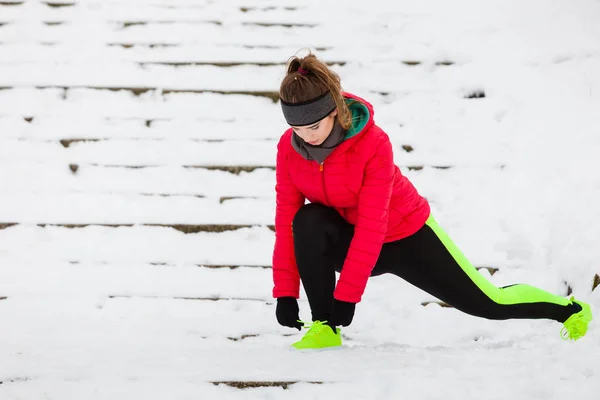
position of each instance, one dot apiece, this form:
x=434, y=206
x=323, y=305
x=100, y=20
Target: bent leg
x=321, y=241
x=432, y=262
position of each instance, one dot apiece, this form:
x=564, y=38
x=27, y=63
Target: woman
x=364, y=218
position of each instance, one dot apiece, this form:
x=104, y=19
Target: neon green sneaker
x=319, y=336
x=576, y=325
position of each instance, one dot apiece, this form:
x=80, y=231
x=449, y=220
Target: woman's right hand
x=287, y=312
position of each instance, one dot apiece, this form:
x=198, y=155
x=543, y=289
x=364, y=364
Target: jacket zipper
x=323, y=182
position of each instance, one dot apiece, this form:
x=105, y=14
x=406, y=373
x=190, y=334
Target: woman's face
x=316, y=133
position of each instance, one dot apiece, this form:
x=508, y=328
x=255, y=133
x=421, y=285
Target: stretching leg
x=431, y=261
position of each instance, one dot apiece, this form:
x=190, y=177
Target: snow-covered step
x=224, y=131
x=135, y=153
x=114, y=209
x=120, y=23
x=210, y=54
x=200, y=54
x=112, y=19
x=384, y=77
x=250, y=78
x=247, y=78
x=161, y=181
x=47, y=5
x=148, y=181
x=66, y=129
x=264, y=384
x=135, y=280
x=112, y=11
x=126, y=107
x=243, y=246
x=66, y=143
x=178, y=317
x=232, y=12
x=132, y=13
x=76, y=109
x=248, y=5
x=200, y=32
x=231, y=153
x=184, y=228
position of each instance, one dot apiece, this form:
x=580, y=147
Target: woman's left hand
x=342, y=314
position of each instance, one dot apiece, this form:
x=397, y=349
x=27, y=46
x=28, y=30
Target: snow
x=136, y=244
x=92, y=179
x=144, y=100
x=115, y=209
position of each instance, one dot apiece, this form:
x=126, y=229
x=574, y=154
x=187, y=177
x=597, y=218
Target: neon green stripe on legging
x=516, y=294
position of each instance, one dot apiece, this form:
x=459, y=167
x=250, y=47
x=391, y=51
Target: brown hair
x=307, y=78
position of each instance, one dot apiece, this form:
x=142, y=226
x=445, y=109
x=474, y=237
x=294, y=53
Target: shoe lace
x=313, y=327
x=571, y=330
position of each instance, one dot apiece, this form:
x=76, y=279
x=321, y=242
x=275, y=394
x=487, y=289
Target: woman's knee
x=310, y=218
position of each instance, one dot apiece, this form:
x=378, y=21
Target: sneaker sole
x=319, y=350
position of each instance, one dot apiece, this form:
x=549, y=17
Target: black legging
x=427, y=259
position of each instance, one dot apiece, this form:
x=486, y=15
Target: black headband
x=308, y=112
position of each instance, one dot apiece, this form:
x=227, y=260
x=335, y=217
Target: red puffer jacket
x=360, y=180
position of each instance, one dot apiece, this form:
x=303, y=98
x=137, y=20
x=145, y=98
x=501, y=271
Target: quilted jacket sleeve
x=370, y=229
x=289, y=200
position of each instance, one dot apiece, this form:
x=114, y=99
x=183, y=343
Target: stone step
x=222, y=184
x=262, y=384
x=184, y=228
x=193, y=154
x=80, y=209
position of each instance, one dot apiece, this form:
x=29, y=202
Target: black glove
x=342, y=314
x=287, y=312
